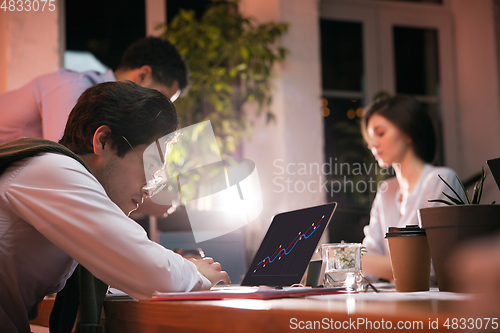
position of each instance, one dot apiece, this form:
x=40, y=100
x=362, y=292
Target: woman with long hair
x=400, y=133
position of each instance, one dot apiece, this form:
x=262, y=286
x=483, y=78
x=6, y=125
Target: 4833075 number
x=28, y=5
x=471, y=323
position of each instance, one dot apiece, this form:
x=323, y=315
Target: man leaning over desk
x=58, y=209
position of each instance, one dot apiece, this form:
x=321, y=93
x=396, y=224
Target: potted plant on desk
x=450, y=226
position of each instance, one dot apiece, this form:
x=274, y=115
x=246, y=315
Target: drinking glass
x=342, y=265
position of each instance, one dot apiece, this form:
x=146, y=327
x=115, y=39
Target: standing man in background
x=40, y=109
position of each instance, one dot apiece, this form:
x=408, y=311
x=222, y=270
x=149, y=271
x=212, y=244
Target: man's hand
x=211, y=270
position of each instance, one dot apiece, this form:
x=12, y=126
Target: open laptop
x=288, y=246
x=281, y=260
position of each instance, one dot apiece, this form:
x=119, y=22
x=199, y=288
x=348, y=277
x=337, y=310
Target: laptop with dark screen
x=494, y=165
x=288, y=246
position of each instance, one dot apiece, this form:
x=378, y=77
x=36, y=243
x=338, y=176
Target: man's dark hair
x=163, y=58
x=409, y=116
x=141, y=115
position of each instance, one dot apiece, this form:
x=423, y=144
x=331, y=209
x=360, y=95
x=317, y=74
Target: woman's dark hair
x=163, y=58
x=141, y=115
x=409, y=116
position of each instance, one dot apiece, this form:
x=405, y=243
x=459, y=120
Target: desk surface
x=351, y=311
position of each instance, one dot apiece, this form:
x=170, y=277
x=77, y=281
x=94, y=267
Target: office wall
x=156, y=13
x=477, y=88
x=29, y=46
x=297, y=135
x=3, y=53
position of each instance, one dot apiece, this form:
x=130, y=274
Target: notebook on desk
x=259, y=293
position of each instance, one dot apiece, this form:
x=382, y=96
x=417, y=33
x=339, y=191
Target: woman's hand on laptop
x=211, y=270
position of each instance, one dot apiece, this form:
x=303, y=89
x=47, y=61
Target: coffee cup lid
x=409, y=230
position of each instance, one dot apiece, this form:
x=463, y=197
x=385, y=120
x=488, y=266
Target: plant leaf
x=463, y=188
x=455, y=201
x=442, y=201
x=230, y=58
x=481, y=183
x=455, y=192
x=475, y=193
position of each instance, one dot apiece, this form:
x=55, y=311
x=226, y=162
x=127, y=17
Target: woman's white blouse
x=389, y=211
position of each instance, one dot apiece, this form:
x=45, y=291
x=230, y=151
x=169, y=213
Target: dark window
x=417, y=73
x=341, y=55
x=199, y=7
x=345, y=150
x=105, y=28
x=416, y=58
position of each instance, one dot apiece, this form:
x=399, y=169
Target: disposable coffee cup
x=410, y=258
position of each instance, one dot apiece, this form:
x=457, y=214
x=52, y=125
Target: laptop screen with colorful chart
x=288, y=246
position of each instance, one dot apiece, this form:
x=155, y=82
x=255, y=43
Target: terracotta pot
x=450, y=226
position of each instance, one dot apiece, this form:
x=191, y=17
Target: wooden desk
x=270, y=315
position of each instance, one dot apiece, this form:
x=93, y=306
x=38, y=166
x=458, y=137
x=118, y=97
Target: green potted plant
x=463, y=218
x=230, y=58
